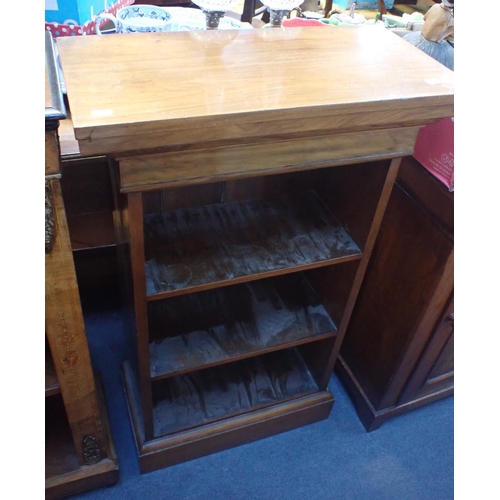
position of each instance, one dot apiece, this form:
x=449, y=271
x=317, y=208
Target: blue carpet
x=410, y=457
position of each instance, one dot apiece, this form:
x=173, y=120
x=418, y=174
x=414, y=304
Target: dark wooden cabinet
x=398, y=350
x=79, y=453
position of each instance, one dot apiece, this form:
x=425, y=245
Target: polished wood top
x=232, y=80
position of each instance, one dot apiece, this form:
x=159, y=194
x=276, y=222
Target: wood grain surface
x=193, y=166
x=65, y=329
x=235, y=83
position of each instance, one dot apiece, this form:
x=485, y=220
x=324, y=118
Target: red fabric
x=298, y=21
x=434, y=149
x=58, y=29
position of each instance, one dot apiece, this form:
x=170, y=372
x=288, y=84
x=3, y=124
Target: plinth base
x=217, y=436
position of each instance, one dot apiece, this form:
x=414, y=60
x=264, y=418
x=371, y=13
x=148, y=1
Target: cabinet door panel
x=435, y=369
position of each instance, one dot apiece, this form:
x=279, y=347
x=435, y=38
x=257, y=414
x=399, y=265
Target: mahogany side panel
x=360, y=272
x=397, y=353
x=137, y=260
x=374, y=346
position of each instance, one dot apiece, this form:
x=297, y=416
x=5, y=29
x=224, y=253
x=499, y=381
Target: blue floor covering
x=410, y=457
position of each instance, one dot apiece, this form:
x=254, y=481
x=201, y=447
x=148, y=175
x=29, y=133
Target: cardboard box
x=434, y=150
x=363, y=4
x=77, y=17
x=73, y=11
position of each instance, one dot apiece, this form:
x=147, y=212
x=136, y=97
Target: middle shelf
x=226, y=324
x=197, y=248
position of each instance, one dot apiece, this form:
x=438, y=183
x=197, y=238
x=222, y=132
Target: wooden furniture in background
x=248, y=199
x=88, y=200
x=397, y=354
x=79, y=452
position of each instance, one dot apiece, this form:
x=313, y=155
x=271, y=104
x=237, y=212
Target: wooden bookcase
x=248, y=196
x=79, y=452
x=241, y=291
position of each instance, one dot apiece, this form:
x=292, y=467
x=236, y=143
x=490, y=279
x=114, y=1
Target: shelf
x=194, y=249
x=186, y=401
x=222, y=325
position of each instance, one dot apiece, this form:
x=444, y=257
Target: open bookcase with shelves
x=248, y=195
x=240, y=292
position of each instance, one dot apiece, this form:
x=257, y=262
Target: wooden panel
x=209, y=395
x=190, y=249
x=133, y=225
x=86, y=186
x=429, y=191
x=211, y=164
x=445, y=362
x=346, y=189
x=232, y=85
x=65, y=329
x=361, y=270
x=51, y=153
x=401, y=283
x=208, y=328
x=435, y=370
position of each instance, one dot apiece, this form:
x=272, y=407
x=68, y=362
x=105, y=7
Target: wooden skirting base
x=86, y=477
x=371, y=418
x=210, y=438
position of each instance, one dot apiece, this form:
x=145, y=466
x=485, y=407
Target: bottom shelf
x=212, y=394
x=210, y=437
x=64, y=475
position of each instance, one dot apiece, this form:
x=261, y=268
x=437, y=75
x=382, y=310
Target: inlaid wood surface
x=65, y=329
x=196, y=247
x=208, y=328
x=239, y=84
x=208, y=395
